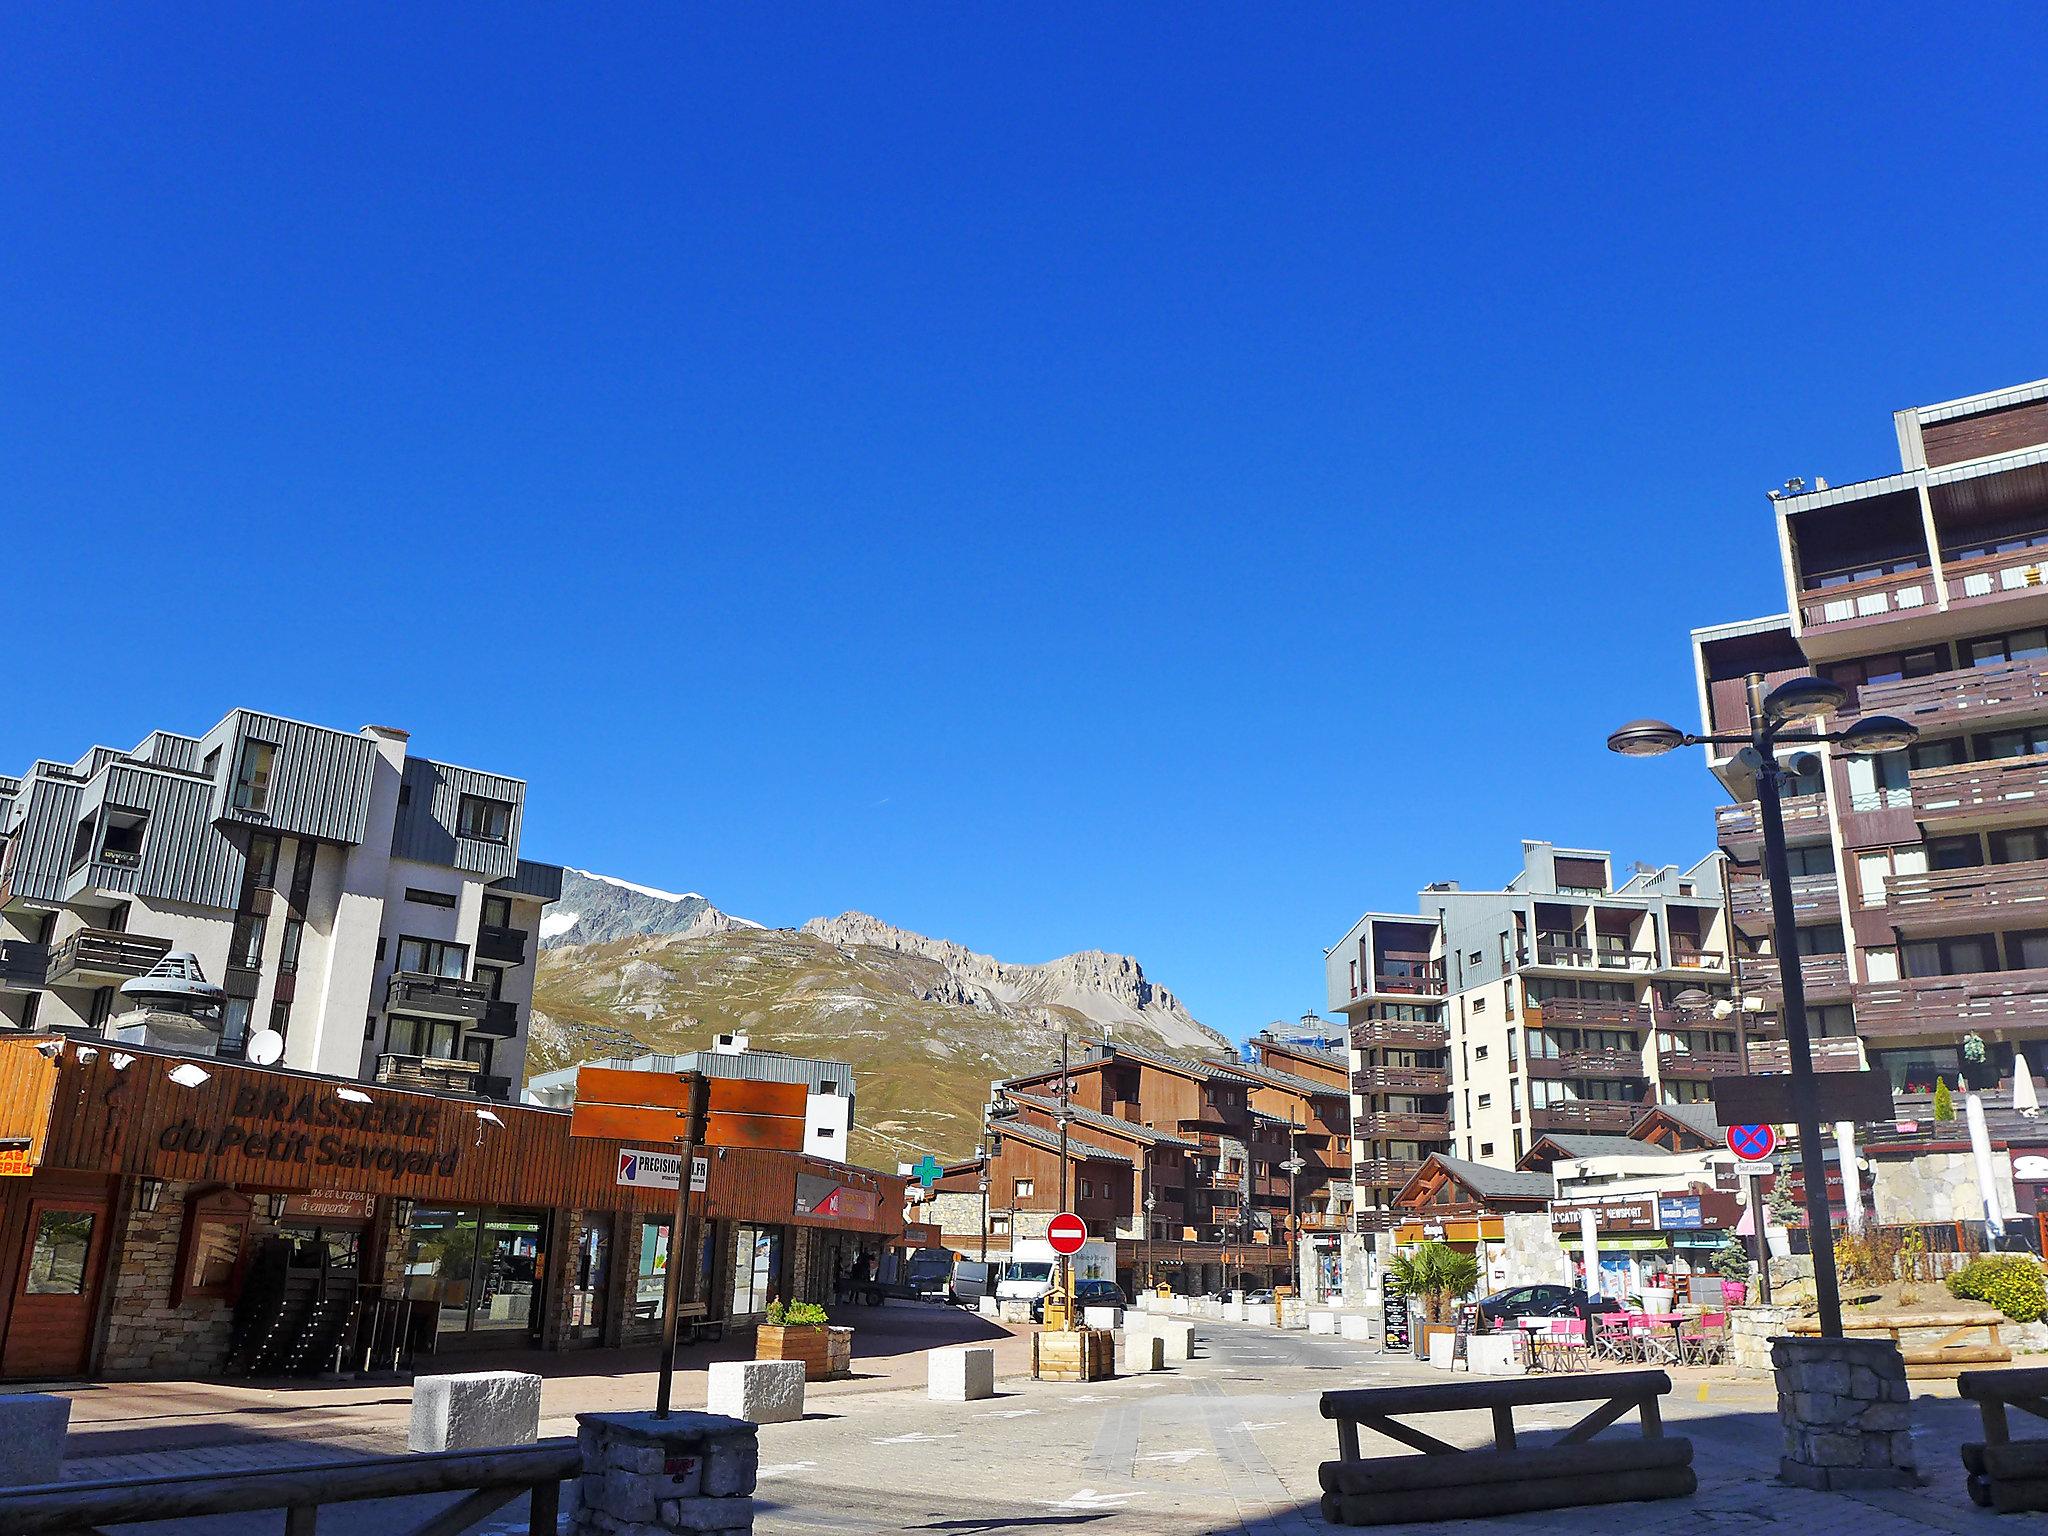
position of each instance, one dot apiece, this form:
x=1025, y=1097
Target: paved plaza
x=1227, y=1443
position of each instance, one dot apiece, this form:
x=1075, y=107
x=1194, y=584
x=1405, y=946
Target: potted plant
x=800, y=1330
x=1436, y=1277
x=1732, y=1260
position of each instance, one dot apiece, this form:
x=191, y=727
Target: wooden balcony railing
x=1401, y=1126
x=1749, y=899
x=1850, y=602
x=1596, y=1115
x=1577, y=1064
x=1401, y=1080
x=1406, y=986
x=2015, y=571
x=2010, y=690
x=1691, y=959
x=1990, y=896
x=94, y=955
x=1950, y=1005
x=1387, y=1172
x=1589, y=1013
x=1973, y=794
x=1737, y=826
x=1693, y=1066
x=1824, y=975
x=1400, y=1034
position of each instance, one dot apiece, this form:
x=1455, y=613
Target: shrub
x=1436, y=1274
x=2011, y=1282
x=795, y=1314
x=1944, y=1101
x=1731, y=1260
x=1871, y=1259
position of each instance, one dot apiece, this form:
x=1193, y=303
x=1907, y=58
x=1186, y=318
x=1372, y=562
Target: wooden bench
x=1946, y=1356
x=1447, y=1482
x=694, y=1322
x=2005, y=1474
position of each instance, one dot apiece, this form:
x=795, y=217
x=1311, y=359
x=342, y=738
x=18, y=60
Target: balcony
x=1691, y=958
x=436, y=997
x=501, y=946
x=1833, y=1053
x=24, y=967
x=2011, y=690
x=1864, y=602
x=1387, y=1172
x=1969, y=900
x=1405, y=1126
x=500, y=1021
x=1588, y=1013
x=1401, y=1080
x=1983, y=794
x=1405, y=986
x=1947, y=1006
x=435, y=1074
x=1813, y=896
x=1698, y=1066
x=1826, y=976
x=1738, y=830
x=1989, y=578
x=1577, y=1064
x=1600, y=1116
x=97, y=957
x=1584, y=957
x=1400, y=1034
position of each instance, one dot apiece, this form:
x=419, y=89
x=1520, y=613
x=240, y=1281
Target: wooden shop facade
x=174, y=1216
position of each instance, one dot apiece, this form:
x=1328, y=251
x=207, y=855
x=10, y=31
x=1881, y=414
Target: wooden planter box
x=825, y=1351
x=1073, y=1354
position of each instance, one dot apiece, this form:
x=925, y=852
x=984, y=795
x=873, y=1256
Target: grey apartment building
x=1561, y=1001
x=367, y=905
x=1920, y=877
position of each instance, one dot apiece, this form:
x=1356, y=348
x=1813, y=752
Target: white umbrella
x=1852, y=1184
x=1980, y=1148
x=1589, y=1243
x=2024, y=1098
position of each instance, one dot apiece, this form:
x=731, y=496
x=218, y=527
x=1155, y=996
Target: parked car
x=1259, y=1298
x=1087, y=1293
x=973, y=1280
x=1541, y=1301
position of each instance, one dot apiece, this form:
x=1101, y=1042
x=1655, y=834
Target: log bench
x=1447, y=1482
x=1944, y=1357
x=2005, y=1474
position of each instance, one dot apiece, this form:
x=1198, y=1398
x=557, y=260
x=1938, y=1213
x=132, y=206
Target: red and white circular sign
x=1066, y=1232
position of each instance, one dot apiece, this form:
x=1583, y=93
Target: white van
x=1033, y=1265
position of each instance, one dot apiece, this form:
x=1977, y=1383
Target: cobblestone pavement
x=1226, y=1443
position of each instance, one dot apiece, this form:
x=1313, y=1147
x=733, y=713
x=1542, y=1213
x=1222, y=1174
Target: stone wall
x=1935, y=1186
x=1845, y=1413
x=1750, y=1331
x=1529, y=1253
x=147, y=1336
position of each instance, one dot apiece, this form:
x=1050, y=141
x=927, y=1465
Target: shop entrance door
x=590, y=1271
x=49, y=1325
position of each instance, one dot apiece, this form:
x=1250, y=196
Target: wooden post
x=679, y=1242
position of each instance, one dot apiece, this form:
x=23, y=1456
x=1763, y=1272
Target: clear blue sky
x=1134, y=477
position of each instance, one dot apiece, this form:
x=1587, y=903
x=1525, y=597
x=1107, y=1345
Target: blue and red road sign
x=1752, y=1143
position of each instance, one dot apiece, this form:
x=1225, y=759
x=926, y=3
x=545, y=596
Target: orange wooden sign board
x=622, y=1105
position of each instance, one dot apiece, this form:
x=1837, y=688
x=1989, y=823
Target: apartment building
x=366, y=906
x=1919, y=876
x=828, y=1085
x=1306, y=1089
x=1562, y=1001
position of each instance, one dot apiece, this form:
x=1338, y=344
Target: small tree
x=1437, y=1275
x=1944, y=1102
x=1731, y=1259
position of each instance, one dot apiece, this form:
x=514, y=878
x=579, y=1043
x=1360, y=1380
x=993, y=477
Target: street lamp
x=1151, y=1272
x=1798, y=702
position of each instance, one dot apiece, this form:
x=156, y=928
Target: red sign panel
x=1066, y=1232
x=1752, y=1143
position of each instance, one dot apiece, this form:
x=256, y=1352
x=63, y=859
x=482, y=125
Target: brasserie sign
x=316, y=1128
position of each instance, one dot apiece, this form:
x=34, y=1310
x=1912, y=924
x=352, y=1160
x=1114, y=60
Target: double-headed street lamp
x=1776, y=719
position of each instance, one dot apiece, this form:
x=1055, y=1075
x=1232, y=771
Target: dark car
x=1087, y=1293
x=1540, y=1301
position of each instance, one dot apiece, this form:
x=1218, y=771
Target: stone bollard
x=1178, y=1338
x=1322, y=1322
x=32, y=1430
x=1356, y=1326
x=758, y=1391
x=474, y=1411
x=962, y=1374
x=1846, y=1413
x=689, y=1472
x=986, y=1306
x=1144, y=1352
x=1101, y=1317
x=1259, y=1312
x=1012, y=1309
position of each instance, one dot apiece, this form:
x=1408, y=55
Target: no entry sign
x=1066, y=1232
x=1752, y=1143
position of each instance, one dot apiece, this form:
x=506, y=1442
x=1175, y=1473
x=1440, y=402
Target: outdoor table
x=1675, y=1350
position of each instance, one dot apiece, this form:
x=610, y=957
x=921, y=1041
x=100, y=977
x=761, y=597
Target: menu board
x=1461, y=1345
x=1394, y=1314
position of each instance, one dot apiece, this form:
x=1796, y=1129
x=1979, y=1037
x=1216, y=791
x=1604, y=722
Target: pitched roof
x=1489, y=1182
x=1698, y=1118
x=1569, y=1144
x=1329, y=1058
x=1082, y=1115
x=1201, y=1070
x=1273, y=1077
x=1049, y=1141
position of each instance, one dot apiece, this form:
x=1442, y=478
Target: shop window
x=57, y=1258
x=212, y=1247
x=1025, y=1188
x=756, y=1261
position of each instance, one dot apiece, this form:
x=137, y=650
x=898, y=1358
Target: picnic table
x=2005, y=1474
x=1947, y=1355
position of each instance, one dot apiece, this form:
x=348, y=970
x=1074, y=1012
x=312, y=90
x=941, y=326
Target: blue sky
x=1141, y=478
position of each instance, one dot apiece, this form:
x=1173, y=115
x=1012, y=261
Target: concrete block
x=32, y=1430
x=1101, y=1317
x=1356, y=1326
x=986, y=1306
x=474, y=1412
x=1144, y=1352
x=1494, y=1354
x=1179, y=1305
x=962, y=1374
x=1441, y=1347
x=1259, y=1313
x=1012, y=1310
x=1322, y=1322
x=758, y=1391
x=1234, y=1309
x=1177, y=1337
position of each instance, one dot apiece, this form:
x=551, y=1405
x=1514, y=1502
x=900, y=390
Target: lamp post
x=1776, y=720
x=1151, y=1273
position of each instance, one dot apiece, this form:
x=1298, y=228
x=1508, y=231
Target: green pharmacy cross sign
x=927, y=1170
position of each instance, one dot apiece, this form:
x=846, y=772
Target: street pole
x=1798, y=1047
x=1065, y=1275
x=678, y=1240
x=1760, y=1218
x=984, y=1194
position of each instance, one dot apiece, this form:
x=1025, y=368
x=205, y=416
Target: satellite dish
x=266, y=1047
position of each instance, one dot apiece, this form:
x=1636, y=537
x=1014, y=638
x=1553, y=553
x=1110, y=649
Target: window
x=1821, y=939
x=245, y=947
x=288, y=955
x=1994, y=649
x=497, y=912
x=121, y=841
x=828, y=1085
x=1087, y=1189
x=253, y=775
x=428, y=898
x=263, y=862
x=302, y=870
x=1479, y=1053
x=57, y=1259
x=487, y=821
x=1954, y=852
x=421, y=1037
x=2025, y=742
x=1949, y=957
x=1472, y=958
x=1812, y=859
x=280, y=1019
x=1486, y=1149
x=210, y=1250
x=999, y=1223
x=81, y=844
x=1479, y=1005
x=1486, y=1101
x=1024, y=1188
x=433, y=957
x=2013, y=847
x=478, y=1049
x=234, y=1033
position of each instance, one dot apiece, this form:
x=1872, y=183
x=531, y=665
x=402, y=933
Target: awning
x=1651, y=1243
